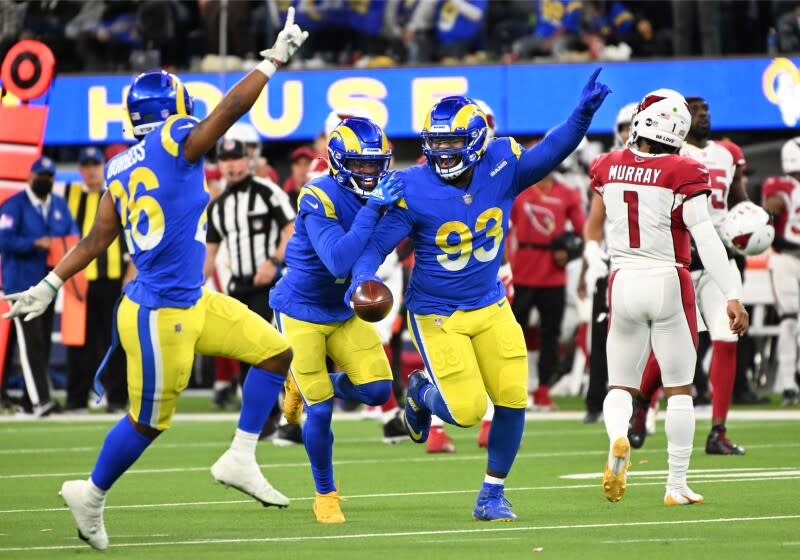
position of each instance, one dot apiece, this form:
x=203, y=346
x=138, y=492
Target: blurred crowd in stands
x=103, y=35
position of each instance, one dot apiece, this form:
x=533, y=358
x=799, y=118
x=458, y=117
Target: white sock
x=494, y=480
x=489, y=410
x=245, y=442
x=617, y=411
x=96, y=494
x=436, y=422
x=679, y=427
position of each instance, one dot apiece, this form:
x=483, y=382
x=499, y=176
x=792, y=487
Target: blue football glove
x=357, y=281
x=389, y=190
x=593, y=94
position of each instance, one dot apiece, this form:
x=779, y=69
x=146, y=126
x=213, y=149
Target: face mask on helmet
x=661, y=119
x=358, y=155
x=622, y=124
x=153, y=97
x=454, y=136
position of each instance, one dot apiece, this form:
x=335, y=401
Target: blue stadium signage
x=526, y=99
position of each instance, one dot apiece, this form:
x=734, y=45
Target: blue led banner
x=526, y=99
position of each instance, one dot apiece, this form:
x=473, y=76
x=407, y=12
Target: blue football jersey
x=161, y=200
x=459, y=234
x=309, y=291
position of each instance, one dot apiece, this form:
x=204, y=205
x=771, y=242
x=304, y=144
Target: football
x=372, y=301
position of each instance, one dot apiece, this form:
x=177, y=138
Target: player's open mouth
x=369, y=183
x=446, y=162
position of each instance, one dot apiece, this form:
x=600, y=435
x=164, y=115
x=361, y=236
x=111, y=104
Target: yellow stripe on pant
x=160, y=345
x=473, y=353
x=353, y=344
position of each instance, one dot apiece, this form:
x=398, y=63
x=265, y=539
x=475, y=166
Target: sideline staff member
x=29, y=221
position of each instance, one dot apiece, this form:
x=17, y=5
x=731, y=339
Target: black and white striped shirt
x=249, y=217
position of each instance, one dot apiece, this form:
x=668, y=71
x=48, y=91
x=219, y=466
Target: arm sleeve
x=395, y=226
x=535, y=163
x=337, y=248
x=12, y=238
x=710, y=248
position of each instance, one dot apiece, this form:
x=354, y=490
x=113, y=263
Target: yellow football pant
x=472, y=353
x=160, y=345
x=353, y=344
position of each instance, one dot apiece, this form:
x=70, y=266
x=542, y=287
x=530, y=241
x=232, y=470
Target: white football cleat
x=682, y=497
x=87, y=511
x=241, y=472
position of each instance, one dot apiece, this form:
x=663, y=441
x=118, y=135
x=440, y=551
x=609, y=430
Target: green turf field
x=402, y=502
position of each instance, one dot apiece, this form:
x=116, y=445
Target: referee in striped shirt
x=105, y=279
x=254, y=218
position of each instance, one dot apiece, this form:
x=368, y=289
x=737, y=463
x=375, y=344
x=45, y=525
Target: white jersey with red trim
x=721, y=169
x=643, y=196
x=788, y=222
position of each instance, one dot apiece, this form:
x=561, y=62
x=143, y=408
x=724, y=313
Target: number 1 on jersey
x=631, y=198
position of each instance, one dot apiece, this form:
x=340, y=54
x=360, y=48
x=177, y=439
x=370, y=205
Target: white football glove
x=289, y=40
x=595, y=257
x=35, y=300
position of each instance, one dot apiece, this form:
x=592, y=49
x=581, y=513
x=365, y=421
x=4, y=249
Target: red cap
x=303, y=152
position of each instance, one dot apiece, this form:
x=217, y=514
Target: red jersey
x=643, y=195
x=788, y=222
x=538, y=216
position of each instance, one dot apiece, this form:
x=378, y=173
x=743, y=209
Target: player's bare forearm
x=105, y=229
x=774, y=204
x=737, y=193
x=593, y=230
x=286, y=235
x=236, y=103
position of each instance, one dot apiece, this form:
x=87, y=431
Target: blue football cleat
x=417, y=418
x=492, y=504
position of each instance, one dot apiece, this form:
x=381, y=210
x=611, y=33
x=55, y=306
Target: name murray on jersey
x=633, y=174
x=126, y=160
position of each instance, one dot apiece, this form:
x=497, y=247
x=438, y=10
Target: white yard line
x=698, y=473
x=511, y=490
x=360, y=536
x=422, y=459
x=663, y=540
x=792, y=414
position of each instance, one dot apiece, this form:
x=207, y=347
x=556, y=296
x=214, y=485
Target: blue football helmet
x=451, y=118
x=153, y=97
x=358, y=140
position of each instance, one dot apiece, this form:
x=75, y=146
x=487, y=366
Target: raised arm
x=536, y=163
x=241, y=97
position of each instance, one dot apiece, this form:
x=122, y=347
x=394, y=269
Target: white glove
x=595, y=257
x=289, y=40
x=35, y=300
